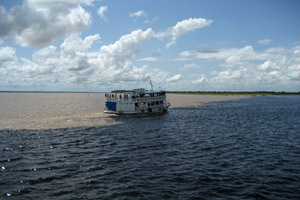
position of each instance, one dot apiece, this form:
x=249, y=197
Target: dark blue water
x=244, y=149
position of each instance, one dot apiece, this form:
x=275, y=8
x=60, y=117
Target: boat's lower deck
x=133, y=108
x=134, y=113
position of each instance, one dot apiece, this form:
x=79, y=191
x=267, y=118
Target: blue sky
x=89, y=45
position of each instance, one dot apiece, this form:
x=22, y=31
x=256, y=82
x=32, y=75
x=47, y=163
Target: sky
x=191, y=45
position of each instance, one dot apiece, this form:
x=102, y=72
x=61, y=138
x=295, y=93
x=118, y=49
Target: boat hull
x=135, y=113
x=138, y=102
x=164, y=110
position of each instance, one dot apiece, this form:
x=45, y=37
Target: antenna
x=151, y=83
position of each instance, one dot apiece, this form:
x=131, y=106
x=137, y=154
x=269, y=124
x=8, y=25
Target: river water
x=241, y=149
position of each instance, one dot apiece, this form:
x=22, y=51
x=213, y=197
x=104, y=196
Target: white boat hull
x=140, y=112
x=136, y=103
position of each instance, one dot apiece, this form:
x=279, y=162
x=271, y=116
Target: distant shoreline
x=259, y=93
x=230, y=93
x=47, y=92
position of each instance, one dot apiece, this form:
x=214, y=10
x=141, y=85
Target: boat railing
x=148, y=98
x=135, y=99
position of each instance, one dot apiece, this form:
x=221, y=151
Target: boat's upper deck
x=137, y=95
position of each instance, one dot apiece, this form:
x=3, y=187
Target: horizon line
x=170, y=91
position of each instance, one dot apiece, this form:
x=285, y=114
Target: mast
x=151, y=83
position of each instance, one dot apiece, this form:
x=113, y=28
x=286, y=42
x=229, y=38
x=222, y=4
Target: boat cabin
x=136, y=101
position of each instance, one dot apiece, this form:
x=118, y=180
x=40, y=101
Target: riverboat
x=137, y=101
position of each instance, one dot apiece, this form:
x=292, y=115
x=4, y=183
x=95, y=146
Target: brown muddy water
x=63, y=110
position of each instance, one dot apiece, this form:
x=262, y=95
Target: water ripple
x=245, y=149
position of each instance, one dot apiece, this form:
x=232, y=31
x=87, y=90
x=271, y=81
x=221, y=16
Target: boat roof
x=153, y=91
x=143, y=91
x=139, y=91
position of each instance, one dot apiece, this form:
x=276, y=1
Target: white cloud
x=101, y=12
x=186, y=26
x=228, y=75
x=174, y=78
x=118, y=54
x=232, y=55
x=272, y=69
x=114, y=62
x=53, y=67
x=139, y=13
x=264, y=41
x=38, y=23
x=74, y=43
x=190, y=66
x=268, y=65
x=199, y=81
x=233, y=60
x=75, y=65
x=237, y=79
x=149, y=59
x=294, y=72
x=151, y=21
x=7, y=54
x=297, y=51
x=70, y=68
x=44, y=55
x=69, y=3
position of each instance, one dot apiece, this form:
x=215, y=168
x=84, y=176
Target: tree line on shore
x=252, y=93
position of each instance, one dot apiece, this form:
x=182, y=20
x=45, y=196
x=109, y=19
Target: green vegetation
x=256, y=93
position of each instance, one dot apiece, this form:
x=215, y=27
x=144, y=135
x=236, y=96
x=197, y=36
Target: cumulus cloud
x=101, y=12
x=7, y=54
x=186, y=26
x=74, y=43
x=53, y=66
x=75, y=64
x=294, y=72
x=248, y=69
x=115, y=55
x=115, y=61
x=38, y=23
x=67, y=67
x=229, y=75
x=268, y=65
x=45, y=56
x=233, y=60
